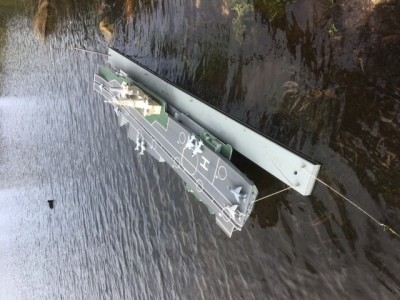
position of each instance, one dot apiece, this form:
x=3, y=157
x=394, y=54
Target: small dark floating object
x=51, y=203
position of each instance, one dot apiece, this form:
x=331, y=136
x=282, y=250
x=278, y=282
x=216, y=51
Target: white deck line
x=216, y=170
x=271, y=156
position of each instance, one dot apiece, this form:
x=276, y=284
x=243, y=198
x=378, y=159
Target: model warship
x=196, y=140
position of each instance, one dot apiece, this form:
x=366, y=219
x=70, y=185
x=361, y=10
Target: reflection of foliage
x=49, y=15
x=130, y=6
x=7, y=7
x=332, y=30
x=274, y=11
x=45, y=21
x=107, y=30
x=327, y=13
x=312, y=109
x=241, y=7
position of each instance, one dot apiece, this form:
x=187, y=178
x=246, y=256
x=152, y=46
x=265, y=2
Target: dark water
x=320, y=76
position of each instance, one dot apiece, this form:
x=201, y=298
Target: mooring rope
x=90, y=51
x=273, y=194
x=291, y=186
x=385, y=227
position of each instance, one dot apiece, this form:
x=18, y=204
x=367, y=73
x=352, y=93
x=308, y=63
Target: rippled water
x=123, y=226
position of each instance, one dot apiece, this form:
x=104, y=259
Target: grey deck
x=209, y=174
x=289, y=167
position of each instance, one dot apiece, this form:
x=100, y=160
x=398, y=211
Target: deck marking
x=182, y=138
x=153, y=144
x=204, y=163
x=184, y=159
x=177, y=162
x=215, y=172
x=199, y=185
x=222, y=170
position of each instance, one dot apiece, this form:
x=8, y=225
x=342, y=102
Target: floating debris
x=51, y=203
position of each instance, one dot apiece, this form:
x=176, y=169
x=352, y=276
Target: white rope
x=385, y=227
x=273, y=194
x=90, y=51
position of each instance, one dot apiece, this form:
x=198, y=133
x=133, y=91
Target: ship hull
x=208, y=174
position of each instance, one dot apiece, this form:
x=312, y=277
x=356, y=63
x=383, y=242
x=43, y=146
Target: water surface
x=123, y=226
